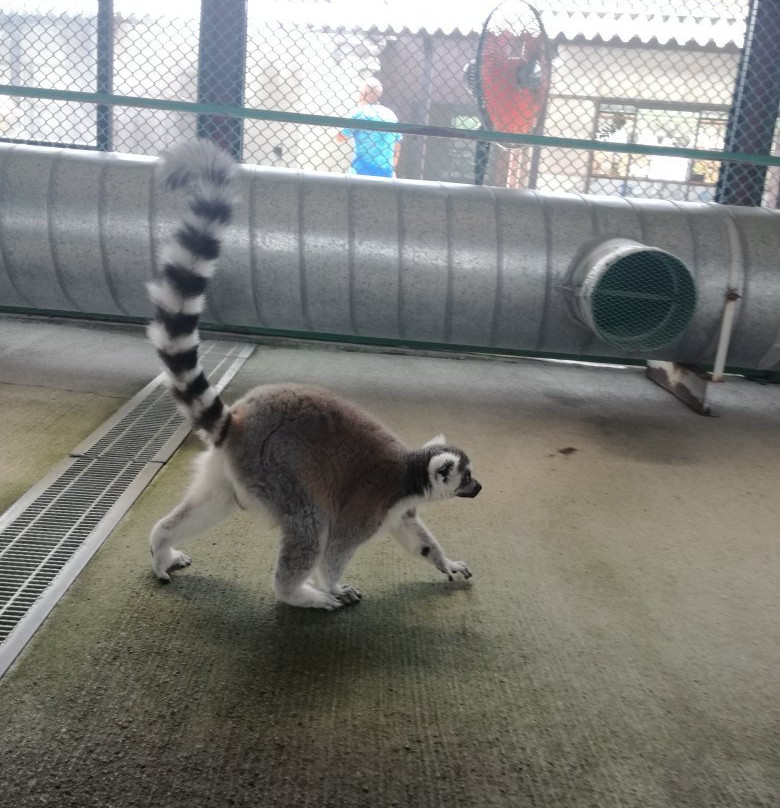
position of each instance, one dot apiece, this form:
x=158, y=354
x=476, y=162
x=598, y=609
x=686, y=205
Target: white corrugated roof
x=720, y=22
x=703, y=22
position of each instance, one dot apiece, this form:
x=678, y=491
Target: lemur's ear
x=445, y=469
x=439, y=440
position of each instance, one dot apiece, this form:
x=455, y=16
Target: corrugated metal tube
x=357, y=257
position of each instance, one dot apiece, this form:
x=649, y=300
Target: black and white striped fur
x=329, y=474
x=186, y=264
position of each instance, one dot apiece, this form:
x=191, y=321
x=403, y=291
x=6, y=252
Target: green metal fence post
x=754, y=108
x=221, y=69
x=105, y=74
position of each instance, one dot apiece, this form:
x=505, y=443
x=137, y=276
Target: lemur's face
x=449, y=472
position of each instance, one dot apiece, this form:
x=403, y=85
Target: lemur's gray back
x=290, y=436
x=204, y=173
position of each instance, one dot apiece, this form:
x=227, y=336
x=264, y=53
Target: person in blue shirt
x=376, y=153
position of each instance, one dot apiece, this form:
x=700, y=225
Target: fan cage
x=512, y=72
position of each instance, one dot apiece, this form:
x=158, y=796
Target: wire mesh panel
x=632, y=296
x=154, y=57
x=50, y=50
x=649, y=79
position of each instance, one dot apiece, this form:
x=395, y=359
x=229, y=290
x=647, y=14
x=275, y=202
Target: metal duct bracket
x=689, y=384
x=635, y=297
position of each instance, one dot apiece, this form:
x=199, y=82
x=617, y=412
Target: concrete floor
x=619, y=644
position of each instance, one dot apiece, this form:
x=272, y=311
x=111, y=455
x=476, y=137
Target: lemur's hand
x=452, y=568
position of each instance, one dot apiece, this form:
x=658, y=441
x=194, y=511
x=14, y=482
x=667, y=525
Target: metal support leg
x=691, y=386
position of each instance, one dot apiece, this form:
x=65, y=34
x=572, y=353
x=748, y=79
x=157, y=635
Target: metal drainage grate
x=149, y=426
x=48, y=536
x=38, y=543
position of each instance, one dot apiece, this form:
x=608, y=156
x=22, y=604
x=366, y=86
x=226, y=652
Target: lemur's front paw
x=452, y=568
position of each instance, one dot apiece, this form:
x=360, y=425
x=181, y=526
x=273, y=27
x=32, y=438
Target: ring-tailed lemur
x=330, y=474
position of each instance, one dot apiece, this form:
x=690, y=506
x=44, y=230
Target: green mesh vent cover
x=643, y=300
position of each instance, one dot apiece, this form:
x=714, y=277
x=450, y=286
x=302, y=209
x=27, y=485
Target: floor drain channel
x=48, y=536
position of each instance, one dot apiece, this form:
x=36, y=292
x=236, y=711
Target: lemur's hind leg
x=209, y=501
x=304, y=533
x=333, y=561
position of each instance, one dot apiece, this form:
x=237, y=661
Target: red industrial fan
x=510, y=76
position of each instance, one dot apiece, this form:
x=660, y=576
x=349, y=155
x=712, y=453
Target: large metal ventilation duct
x=436, y=264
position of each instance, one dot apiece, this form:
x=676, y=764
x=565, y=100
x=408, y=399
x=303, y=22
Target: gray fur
x=330, y=475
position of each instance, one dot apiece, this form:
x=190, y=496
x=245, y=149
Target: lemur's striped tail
x=203, y=172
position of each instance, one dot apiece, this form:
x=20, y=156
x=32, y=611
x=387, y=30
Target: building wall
x=658, y=74
x=585, y=74
x=425, y=84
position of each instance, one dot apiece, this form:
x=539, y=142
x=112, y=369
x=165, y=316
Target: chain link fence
x=650, y=80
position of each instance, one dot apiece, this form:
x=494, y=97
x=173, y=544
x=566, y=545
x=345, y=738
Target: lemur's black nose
x=472, y=492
